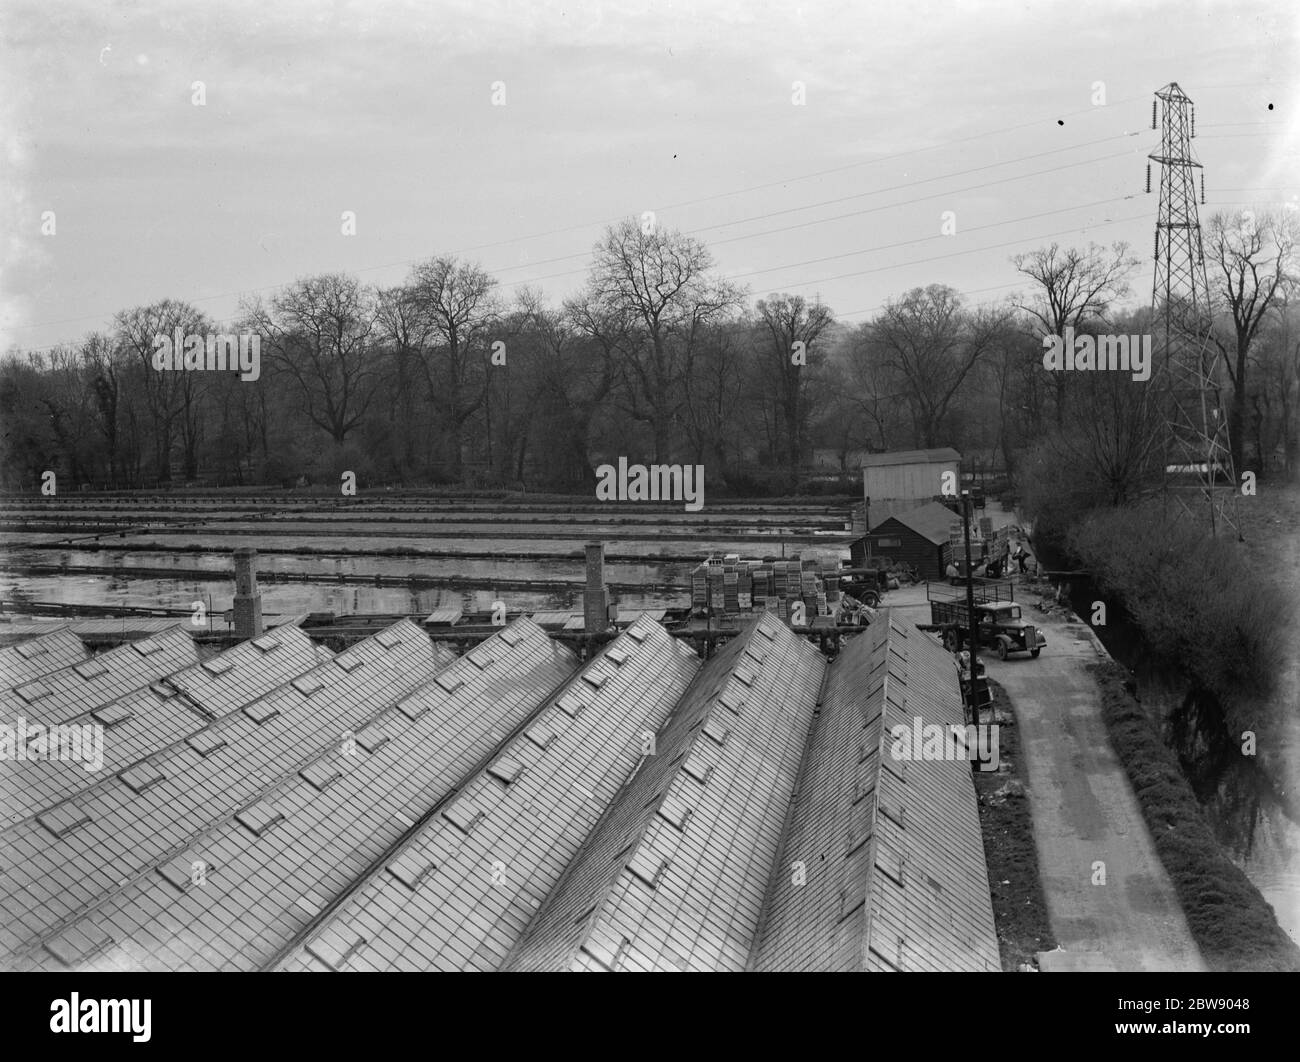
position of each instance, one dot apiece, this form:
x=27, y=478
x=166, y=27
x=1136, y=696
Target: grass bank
x=1015, y=885
x=1232, y=924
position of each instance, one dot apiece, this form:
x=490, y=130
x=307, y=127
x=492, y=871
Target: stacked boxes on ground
x=732, y=586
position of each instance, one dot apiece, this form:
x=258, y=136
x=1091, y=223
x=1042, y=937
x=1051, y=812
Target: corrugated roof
x=39, y=656
x=910, y=457
x=299, y=844
x=93, y=683
x=149, y=719
x=127, y=627
x=457, y=900
x=882, y=867
x=673, y=877
x=53, y=866
x=931, y=521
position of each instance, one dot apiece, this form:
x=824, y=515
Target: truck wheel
x=871, y=599
x=1002, y=649
x=1034, y=653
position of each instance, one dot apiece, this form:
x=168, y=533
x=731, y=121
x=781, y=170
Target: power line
x=742, y=191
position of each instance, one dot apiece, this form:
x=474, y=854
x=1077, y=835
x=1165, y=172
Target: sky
x=814, y=148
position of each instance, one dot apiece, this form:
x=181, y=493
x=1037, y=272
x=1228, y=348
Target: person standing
x=1021, y=557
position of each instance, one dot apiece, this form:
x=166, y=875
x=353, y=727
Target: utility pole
x=970, y=608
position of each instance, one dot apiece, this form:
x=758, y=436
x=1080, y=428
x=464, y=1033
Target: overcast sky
x=611, y=109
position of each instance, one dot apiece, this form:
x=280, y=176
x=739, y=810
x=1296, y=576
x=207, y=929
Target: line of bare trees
x=442, y=379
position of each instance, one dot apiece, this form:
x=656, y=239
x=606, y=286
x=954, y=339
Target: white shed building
x=905, y=479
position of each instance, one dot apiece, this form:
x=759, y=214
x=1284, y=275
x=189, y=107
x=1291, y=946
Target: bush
x=1202, y=609
x=1232, y=924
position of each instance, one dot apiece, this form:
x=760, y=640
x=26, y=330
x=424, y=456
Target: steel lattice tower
x=1186, y=358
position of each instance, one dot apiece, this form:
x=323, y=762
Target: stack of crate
x=700, y=586
x=731, y=588
x=732, y=585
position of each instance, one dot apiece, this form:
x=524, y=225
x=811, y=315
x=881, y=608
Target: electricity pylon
x=1185, y=356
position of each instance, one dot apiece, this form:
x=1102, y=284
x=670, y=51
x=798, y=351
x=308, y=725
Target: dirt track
x=1084, y=811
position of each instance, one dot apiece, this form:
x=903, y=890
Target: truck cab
x=1002, y=627
x=998, y=619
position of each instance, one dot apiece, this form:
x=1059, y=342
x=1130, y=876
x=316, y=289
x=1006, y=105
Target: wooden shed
x=918, y=537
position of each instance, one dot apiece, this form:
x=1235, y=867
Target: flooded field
x=101, y=553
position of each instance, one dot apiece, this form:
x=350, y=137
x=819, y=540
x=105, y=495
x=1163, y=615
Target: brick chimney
x=248, y=601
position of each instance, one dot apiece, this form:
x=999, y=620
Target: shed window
x=412, y=707
x=76, y=944
x=540, y=735
x=647, y=867
x=320, y=775
x=34, y=691
x=463, y=815
x=889, y=543
x=112, y=714
x=410, y=868
x=334, y=946
x=373, y=737
x=62, y=820
x=260, y=818
x=206, y=742
x=698, y=769
x=308, y=684
x=716, y=731
x=505, y=770
x=141, y=777
x=261, y=712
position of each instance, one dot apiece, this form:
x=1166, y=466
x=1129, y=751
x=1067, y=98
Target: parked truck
x=999, y=623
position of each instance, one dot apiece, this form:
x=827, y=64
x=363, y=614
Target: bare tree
x=931, y=345
x=657, y=286
x=1074, y=286
x=458, y=304
x=319, y=333
x=1253, y=259
x=167, y=394
x=786, y=320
